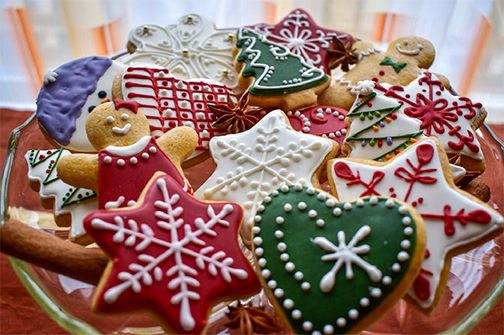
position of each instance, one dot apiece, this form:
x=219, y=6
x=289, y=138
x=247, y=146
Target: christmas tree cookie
x=274, y=76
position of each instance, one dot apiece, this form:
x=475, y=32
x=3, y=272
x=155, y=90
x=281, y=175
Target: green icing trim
x=311, y=309
x=397, y=66
x=276, y=70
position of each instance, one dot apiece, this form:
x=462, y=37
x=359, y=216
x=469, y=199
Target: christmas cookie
x=191, y=48
x=70, y=204
x=252, y=164
x=171, y=254
x=303, y=37
x=335, y=268
x=274, y=76
x=452, y=119
x=400, y=64
x=169, y=102
x=69, y=94
x=420, y=175
x=127, y=156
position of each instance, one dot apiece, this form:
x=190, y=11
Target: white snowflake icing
x=343, y=254
x=182, y=276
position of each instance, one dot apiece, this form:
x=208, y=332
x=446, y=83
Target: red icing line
x=131, y=105
x=344, y=171
x=476, y=216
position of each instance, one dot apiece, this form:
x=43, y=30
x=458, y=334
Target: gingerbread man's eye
x=110, y=119
x=124, y=116
x=405, y=42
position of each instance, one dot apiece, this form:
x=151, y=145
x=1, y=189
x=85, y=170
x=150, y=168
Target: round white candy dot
x=373, y=200
x=152, y=150
x=389, y=203
x=406, y=220
x=278, y=293
x=364, y=302
x=302, y=205
x=121, y=162
x=107, y=160
x=260, y=208
x=259, y=251
x=316, y=332
x=328, y=330
x=280, y=220
x=396, y=267
x=287, y=207
x=288, y=303
x=402, y=256
x=284, y=188
x=267, y=200
x=284, y=257
x=145, y=155
x=299, y=275
x=387, y=280
x=353, y=314
x=274, y=193
x=307, y=326
x=330, y=203
x=320, y=223
x=256, y=230
x=257, y=218
x=321, y=196
x=289, y=267
x=272, y=284
x=337, y=211
x=341, y=322
x=296, y=314
x=403, y=210
x=133, y=160
x=359, y=203
x=266, y=273
x=305, y=286
x=258, y=240
x=262, y=262
x=408, y=231
x=310, y=191
x=298, y=187
x=347, y=206
x=281, y=246
x=279, y=234
x=405, y=244
x=312, y=213
x=376, y=293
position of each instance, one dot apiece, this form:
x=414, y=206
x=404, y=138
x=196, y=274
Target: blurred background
x=39, y=35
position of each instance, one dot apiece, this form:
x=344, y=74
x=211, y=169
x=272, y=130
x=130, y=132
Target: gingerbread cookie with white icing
x=274, y=76
x=400, y=64
x=173, y=255
x=334, y=267
x=454, y=220
x=69, y=94
x=127, y=156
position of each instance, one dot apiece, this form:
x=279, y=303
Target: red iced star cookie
x=172, y=254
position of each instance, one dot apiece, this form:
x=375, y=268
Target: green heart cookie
x=335, y=267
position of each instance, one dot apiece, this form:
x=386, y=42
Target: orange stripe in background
x=380, y=19
x=99, y=40
x=270, y=12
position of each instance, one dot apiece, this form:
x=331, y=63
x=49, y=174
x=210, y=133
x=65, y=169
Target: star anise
x=251, y=320
x=235, y=118
x=341, y=54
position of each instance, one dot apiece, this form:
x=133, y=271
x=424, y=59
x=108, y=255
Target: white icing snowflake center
x=347, y=255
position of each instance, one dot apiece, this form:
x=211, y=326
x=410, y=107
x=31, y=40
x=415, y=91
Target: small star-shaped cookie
x=252, y=164
x=455, y=221
x=172, y=254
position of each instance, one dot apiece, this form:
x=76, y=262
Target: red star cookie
x=172, y=254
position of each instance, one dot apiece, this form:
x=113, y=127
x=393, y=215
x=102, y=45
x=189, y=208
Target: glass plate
x=475, y=282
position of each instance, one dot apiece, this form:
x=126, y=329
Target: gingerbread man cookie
x=400, y=64
x=127, y=156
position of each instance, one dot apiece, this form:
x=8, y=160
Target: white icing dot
x=284, y=257
x=121, y=162
x=312, y=213
x=330, y=203
x=152, y=150
x=107, y=160
x=305, y=286
x=258, y=241
x=389, y=203
x=133, y=160
x=353, y=314
x=278, y=292
x=347, y=206
x=321, y=196
x=403, y=210
x=262, y=262
x=288, y=303
x=373, y=200
x=302, y=205
x=364, y=302
x=266, y=273
x=298, y=187
x=386, y=280
x=296, y=314
x=260, y=208
x=396, y=267
x=310, y=191
x=267, y=199
x=279, y=234
x=110, y=119
x=287, y=208
x=299, y=276
x=259, y=252
x=307, y=326
x=359, y=203
x=402, y=256
x=280, y=220
x=289, y=267
x=341, y=322
x=256, y=230
x=406, y=220
x=405, y=244
x=272, y=284
x=284, y=188
x=281, y=246
x=328, y=330
x=124, y=117
x=408, y=231
x=337, y=211
x=376, y=293
x=257, y=218
x=145, y=155
x=274, y=193
x=320, y=223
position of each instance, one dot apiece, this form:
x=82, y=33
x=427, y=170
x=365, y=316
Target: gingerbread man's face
x=413, y=50
x=115, y=124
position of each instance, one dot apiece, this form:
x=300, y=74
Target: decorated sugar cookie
x=69, y=94
x=335, y=268
x=173, y=255
x=455, y=221
x=169, y=102
x=400, y=64
x=191, y=48
x=452, y=119
x=274, y=76
x=252, y=164
x=303, y=37
x=70, y=204
x=127, y=155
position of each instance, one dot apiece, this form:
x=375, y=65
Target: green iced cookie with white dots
x=334, y=268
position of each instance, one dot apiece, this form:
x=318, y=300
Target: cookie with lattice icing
x=400, y=64
x=331, y=267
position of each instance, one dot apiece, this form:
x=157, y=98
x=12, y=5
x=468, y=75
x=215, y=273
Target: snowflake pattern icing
x=164, y=253
x=252, y=164
x=343, y=254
